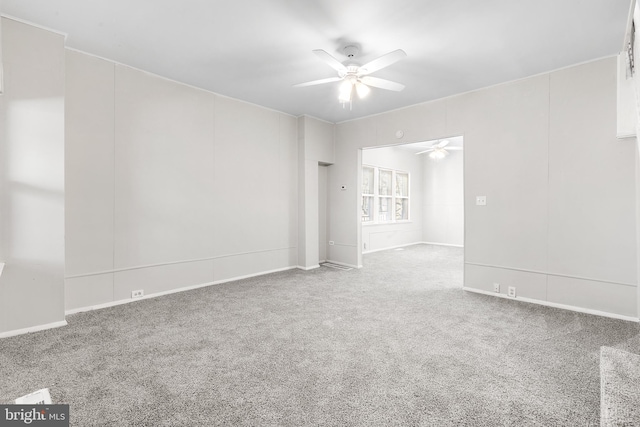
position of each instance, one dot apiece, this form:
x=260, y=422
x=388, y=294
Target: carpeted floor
x=398, y=343
x=620, y=388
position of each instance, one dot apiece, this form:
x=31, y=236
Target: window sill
x=370, y=223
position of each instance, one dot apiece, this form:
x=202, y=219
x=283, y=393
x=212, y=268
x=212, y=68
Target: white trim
x=390, y=247
x=1, y=267
x=33, y=329
x=555, y=305
x=32, y=24
x=349, y=245
x=398, y=222
x=172, y=291
x=453, y=95
x=443, y=244
x=139, y=267
x=625, y=136
x=632, y=285
x=311, y=267
x=309, y=116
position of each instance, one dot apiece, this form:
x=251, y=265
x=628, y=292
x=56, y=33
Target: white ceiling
x=255, y=50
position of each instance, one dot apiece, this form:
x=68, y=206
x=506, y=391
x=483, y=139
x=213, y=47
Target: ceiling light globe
x=362, y=89
x=344, y=94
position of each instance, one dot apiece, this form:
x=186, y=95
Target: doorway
x=322, y=213
x=413, y=193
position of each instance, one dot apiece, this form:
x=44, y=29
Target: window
x=368, y=194
x=385, y=195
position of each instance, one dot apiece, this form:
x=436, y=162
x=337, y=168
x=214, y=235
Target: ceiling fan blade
x=331, y=61
x=441, y=144
x=383, y=61
x=426, y=151
x=319, y=82
x=382, y=83
x=454, y=148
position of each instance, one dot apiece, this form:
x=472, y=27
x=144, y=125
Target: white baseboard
x=411, y=244
x=33, y=329
x=171, y=291
x=555, y=305
x=390, y=247
x=443, y=244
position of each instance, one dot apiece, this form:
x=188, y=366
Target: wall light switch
x=481, y=200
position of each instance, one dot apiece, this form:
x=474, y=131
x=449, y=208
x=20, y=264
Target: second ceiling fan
x=357, y=78
x=439, y=150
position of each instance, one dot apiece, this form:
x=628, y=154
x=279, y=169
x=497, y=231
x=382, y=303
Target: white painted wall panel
x=161, y=278
x=415, y=122
x=255, y=263
x=443, y=217
x=88, y=291
x=600, y=296
x=506, y=160
x=247, y=180
x=89, y=165
x=591, y=178
x=164, y=171
x=288, y=183
x=319, y=140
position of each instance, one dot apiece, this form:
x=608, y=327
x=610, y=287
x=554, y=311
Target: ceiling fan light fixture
x=356, y=78
x=362, y=89
x=438, y=154
x=344, y=94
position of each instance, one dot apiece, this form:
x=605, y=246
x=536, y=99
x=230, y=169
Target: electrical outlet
x=331, y=243
x=496, y=287
x=481, y=200
x=512, y=291
x=137, y=294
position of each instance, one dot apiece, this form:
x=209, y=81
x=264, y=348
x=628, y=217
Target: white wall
x=169, y=186
x=382, y=236
x=31, y=178
x=443, y=219
x=560, y=221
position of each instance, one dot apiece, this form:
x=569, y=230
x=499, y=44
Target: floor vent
x=336, y=266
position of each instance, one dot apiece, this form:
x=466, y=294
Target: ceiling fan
x=356, y=78
x=438, y=151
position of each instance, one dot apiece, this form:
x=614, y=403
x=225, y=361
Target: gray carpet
x=397, y=343
x=620, y=388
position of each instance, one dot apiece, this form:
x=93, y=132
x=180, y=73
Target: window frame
x=376, y=197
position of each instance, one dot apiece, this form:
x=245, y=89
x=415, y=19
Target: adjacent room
x=288, y=213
